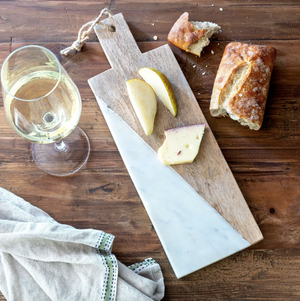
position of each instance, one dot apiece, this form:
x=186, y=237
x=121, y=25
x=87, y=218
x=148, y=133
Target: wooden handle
x=119, y=46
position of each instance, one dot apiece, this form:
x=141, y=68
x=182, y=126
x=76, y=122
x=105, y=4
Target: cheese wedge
x=181, y=144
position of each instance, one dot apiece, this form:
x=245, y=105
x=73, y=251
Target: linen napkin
x=41, y=259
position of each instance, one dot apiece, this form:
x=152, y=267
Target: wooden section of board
x=209, y=175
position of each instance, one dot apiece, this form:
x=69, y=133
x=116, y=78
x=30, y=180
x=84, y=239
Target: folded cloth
x=41, y=259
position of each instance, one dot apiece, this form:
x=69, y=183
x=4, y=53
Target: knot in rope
x=83, y=34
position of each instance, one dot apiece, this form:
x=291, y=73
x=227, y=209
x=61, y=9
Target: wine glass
x=43, y=105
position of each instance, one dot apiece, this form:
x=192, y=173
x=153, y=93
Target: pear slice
x=161, y=86
x=181, y=144
x=143, y=100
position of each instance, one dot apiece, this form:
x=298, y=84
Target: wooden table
x=265, y=163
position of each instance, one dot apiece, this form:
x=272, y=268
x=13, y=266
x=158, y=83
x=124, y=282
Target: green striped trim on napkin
x=137, y=267
x=103, y=248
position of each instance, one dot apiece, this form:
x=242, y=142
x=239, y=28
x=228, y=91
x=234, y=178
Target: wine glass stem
x=60, y=146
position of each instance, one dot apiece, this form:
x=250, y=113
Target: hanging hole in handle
x=112, y=28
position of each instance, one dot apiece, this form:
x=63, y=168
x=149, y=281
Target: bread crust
x=183, y=33
x=241, y=86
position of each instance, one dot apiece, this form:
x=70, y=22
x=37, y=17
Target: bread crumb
x=194, y=66
x=155, y=38
x=212, y=52
x=221, y=9
x=203, y=73
x=152, y=24
x=199, y=93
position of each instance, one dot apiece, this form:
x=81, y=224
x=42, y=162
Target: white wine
x=45, y=108
x=43, y=105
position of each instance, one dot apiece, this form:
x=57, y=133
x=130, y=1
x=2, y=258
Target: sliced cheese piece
x=143, y=100
x=181, y=144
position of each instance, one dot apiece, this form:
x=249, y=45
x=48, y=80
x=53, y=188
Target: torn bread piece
x=241, y=86
x=191, y=36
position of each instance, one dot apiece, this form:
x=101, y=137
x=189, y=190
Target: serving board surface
x=209, y=174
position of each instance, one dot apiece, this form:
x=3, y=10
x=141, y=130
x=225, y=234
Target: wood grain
x=209, y=174
x=265, y=164
x=32, y=21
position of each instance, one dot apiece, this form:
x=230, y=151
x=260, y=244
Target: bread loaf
x=241, y=86
x=191, y=36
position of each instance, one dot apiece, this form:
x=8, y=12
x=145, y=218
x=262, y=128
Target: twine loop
x=83, y=34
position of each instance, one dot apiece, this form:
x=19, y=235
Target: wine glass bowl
x=43, y=105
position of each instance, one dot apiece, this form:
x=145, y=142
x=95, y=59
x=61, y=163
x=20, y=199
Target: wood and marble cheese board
x=197, y=209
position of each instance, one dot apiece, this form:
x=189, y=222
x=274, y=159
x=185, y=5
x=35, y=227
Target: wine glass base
x=65, y=157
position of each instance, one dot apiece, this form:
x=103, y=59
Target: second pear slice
x=161, y=86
